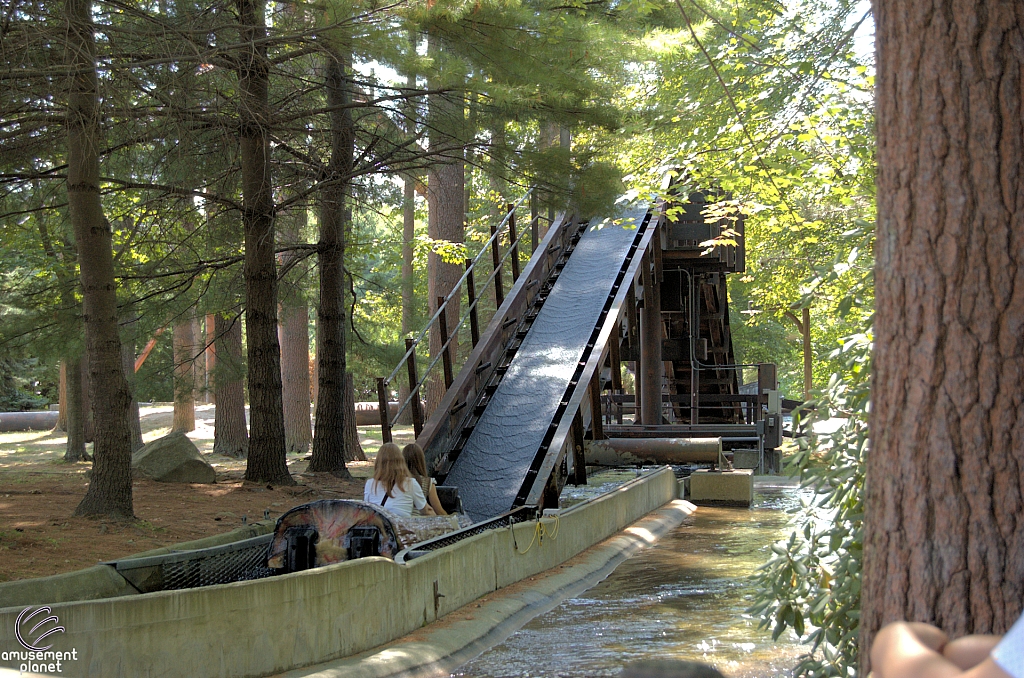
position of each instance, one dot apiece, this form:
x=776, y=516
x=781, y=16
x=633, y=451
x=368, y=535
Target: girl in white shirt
x=391, y=485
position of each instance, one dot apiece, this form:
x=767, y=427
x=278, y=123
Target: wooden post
x=382, y=404
x=579, y=461
x=596, y=425
x=474, y=323
x=414, y=392
x=499, y=295
x=446, y=355
x=512, y=242
x=650, y=345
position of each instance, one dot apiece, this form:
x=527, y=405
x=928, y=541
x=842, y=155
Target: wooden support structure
x=650, y=344
x=474, y=320
x=499, y=294
x=446, y=354
x=382, y=406
x=596, y=425
x=512, y=242
x=615, y=362
x=414, y=389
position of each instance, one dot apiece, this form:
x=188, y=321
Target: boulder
x=172, y=459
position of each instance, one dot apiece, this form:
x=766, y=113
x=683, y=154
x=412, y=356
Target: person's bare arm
x=915, y=650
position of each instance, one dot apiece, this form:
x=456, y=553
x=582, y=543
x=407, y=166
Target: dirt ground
x=39, y=492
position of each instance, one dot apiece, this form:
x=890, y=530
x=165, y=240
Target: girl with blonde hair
x=417, y=465
x=391, y=485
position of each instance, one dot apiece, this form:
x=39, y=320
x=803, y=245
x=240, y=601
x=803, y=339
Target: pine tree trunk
x=199, y=362
x=295, y=374
x=267, y=461
x=230, y=436
x=75, y=450
x=88, y=422
x=110, y=488
x=329, y=437
x=944, y=539
x=210, y=355
x=408, y=287
x=293, y=314
x=353, y=449
x=62, y=398
x=184, y=344
x=446, y=214
x=128, y=366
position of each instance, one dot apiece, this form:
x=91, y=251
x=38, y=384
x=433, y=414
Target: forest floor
x=39, y=492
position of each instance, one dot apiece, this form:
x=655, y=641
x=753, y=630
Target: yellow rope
x=539, y=532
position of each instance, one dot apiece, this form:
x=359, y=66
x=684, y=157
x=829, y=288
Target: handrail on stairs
x=417, y=381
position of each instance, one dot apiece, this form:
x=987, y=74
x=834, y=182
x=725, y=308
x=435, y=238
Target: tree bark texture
x=210, y=355
x=128, y=367
x=230, y=436
x=199, y=362
x=62, y=398
x=944, y=521
x=293, y=314
x=331, y=419
x=267, y=462
x=71, y=370
x=408, y=288
x=353, y=448
x=110, y=488
x=183, y=342
x=446, y=214
x=88, y=419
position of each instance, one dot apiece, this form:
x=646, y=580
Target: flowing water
x=683, y=598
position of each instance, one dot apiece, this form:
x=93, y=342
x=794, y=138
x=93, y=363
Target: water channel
x=683, y=598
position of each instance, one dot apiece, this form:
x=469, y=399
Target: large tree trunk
x=71, y=370
x=110, y=488
x=331, y=419
x=184, y=344
x=294, y=334
x=88, y=421
x=446, y=214
x=944, y=538
x=408, y=287
x=267, y=461
x=128, y=367
x=230, y=436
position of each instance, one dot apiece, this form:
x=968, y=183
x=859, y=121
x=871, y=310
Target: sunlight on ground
x=21, y=448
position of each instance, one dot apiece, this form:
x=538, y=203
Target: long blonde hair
x=389, y=469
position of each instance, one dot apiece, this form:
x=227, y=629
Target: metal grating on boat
x=238, y=561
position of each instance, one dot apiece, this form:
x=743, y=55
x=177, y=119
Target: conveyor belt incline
x=504, y=443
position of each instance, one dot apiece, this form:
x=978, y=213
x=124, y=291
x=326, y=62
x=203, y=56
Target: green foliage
x=812, y=582
x=25, y=384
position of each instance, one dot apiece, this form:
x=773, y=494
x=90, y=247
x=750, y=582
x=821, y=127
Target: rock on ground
x=172, y=459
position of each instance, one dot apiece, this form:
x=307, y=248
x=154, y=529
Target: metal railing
x=439, y=318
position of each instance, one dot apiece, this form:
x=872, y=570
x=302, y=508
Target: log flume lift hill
x=543, y=380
